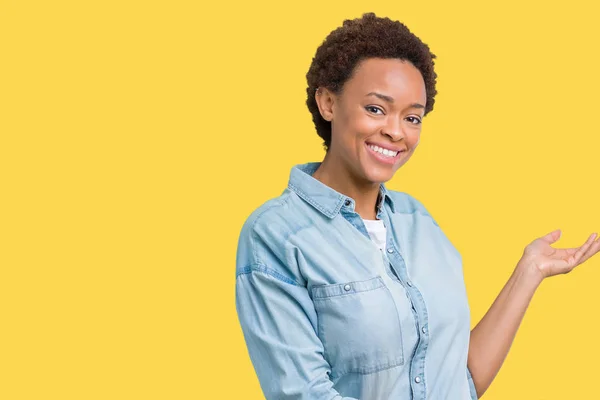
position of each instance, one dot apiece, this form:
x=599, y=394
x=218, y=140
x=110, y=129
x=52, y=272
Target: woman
x=348, y=290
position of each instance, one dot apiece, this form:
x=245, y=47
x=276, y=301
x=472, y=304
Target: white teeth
x=385, y=152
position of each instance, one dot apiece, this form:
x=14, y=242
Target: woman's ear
x=325, y=100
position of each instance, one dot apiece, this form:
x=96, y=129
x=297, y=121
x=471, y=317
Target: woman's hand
x=545, y=261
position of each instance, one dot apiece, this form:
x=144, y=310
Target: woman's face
x=376, y=119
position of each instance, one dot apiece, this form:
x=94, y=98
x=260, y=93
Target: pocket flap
x=340, y=289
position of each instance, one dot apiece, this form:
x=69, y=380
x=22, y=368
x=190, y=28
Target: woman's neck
x=338, y=177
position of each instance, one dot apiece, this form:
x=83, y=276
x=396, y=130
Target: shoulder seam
x=256, y=267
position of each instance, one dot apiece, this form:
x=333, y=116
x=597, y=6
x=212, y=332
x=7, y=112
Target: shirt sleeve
x=471, y=385
x=278, y=320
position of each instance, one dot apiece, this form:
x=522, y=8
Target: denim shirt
x=326, y=315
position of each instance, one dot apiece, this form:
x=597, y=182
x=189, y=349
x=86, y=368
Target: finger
x=576, y=258
x=593, y=249
x=552, y=236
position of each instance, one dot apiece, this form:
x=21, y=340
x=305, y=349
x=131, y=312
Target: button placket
x=413, y=294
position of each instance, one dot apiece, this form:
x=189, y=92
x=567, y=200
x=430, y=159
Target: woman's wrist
x=528, y=274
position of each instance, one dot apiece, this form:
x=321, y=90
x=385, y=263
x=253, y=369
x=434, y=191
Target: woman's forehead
x=393, y=77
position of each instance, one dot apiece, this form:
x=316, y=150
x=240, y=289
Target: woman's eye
x=414, y=120
x=373, y=109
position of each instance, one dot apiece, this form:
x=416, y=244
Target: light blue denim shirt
x=327, y=315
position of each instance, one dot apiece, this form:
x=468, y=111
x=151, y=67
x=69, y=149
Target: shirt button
x=409, y=283
x=347, y=288
x=390, y=250
x=347, y=203
x=418, y=379
x=424, y=330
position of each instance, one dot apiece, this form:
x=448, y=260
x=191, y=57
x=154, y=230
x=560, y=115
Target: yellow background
x=136, y=137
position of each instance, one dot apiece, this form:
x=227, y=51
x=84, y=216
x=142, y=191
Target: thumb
x=552, y=236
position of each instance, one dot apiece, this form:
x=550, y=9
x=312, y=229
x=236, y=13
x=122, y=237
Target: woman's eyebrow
x=391, y=99
x=381, y=96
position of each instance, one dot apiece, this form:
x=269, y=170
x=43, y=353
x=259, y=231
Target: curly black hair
x=357, y=40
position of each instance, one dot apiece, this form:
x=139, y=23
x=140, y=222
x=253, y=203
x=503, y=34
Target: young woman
x=348, y=290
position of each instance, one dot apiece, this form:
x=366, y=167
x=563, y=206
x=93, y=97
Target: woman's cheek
x=368, y=126
x=416, y=139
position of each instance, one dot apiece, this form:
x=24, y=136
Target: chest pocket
x=359, y=326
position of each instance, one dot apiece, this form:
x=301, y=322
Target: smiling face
x=376, y=119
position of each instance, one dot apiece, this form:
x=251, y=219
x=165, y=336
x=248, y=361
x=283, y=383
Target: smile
x=381, y=150
x=383, y=155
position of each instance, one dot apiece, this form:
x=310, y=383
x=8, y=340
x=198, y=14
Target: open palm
x=550, y=261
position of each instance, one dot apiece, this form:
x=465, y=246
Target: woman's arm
x=278, y=320
x=492, y=337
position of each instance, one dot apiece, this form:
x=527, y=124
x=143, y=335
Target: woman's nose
x=393, y=128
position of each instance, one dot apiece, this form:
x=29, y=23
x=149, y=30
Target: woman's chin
x=379, y=172
x=379, y=175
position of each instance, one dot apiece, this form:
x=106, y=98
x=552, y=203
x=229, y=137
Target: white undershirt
x=376, y=231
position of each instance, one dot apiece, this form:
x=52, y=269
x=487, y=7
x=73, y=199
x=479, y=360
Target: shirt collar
x=322, y=197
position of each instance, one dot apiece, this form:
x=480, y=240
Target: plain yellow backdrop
x=137, y=136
